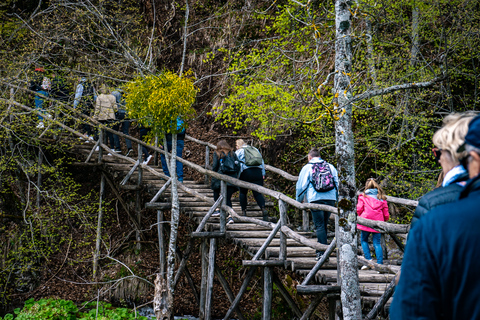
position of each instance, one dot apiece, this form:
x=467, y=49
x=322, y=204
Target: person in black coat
x=447, y=140
x=220, y=155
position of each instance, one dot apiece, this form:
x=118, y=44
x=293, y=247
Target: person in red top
x=372, y=204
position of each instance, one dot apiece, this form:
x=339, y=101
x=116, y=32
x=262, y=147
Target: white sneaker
x=216, y=213
x=40, y=125
x=148, y=160
x=230, y=220
x=109, y=154
x=364, y=268
x=97, y=148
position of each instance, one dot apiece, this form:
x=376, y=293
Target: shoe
x=216, y=213
x=117, y=150
x=97, y=148
x=230, y=220
x=147, y=160
x=319, y=255
x=366, y=267
x=244, y=213
x=265, y=214
x=40, y=125
x=129, y=152
x=109, y=154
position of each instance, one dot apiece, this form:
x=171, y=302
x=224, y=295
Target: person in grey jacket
x=447, y=140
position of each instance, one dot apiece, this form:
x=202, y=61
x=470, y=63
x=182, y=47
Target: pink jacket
x=373, y=209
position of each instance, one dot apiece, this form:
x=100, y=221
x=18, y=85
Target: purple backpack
x=322, y=177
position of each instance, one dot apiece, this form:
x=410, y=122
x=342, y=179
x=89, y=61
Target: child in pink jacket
x=372, y=204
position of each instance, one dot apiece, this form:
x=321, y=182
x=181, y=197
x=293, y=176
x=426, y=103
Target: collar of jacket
x=472, y=185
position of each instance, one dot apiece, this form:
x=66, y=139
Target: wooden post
x=267, y=293
x=203, y=286
x=138, y=198
x=211, y=274
x=283, y=238
x=338, y=302
x=207, y=163
x=39, y=176
x=223, y=192
x=384, y=246
x=100, y=149
x=155, y=155
x=161, y=242
x=305, y=221
x=99, y=226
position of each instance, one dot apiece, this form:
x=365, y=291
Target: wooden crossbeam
x=162, y=190
x=268, y=263
x=214, y=234
x=129, y=174
x=314, y=289
x=320, y=262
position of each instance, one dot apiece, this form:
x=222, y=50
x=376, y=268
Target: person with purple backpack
x=318, y=183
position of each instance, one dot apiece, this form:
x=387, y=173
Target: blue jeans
x=376, y=244
x=39, y=102
x=180, y=145
x=125, y=123
x=320, y=220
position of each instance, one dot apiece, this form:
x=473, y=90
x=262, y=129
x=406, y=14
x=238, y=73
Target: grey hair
x=469, y=147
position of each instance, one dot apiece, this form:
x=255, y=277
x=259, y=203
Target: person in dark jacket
x=446, y=141
x=441, y=267
x=223, y=152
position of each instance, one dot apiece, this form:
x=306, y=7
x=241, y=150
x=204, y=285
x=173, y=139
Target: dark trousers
x=320, y=220
x=230, y=191
x=125, y=124
x=252, y=175
x=109, y=135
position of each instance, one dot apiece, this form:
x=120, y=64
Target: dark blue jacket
x=441, y=269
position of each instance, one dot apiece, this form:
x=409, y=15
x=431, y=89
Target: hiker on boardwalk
x=372, y=204
x=441, y=266
x=447, y=140
x=180, y=144
x=225, y=161
x=318, y=183
x=41, y=85
x=105, y=112
x=85, y=97
x=252, y=169
x=121, y=121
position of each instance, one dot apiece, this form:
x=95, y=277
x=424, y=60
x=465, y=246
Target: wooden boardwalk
x=249, y=236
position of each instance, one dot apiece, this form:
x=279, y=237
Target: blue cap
x=473, y=135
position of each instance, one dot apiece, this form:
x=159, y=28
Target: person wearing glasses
x=447, y=140
x=441, y=269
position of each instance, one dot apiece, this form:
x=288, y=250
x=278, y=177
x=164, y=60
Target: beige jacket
x=105, y=107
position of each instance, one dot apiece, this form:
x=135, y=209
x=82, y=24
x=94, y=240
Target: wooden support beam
x=214, y=234
x=267, y=293
x=161, y=242
x=311, y=308
x=162, y=190
x=92, y=151
x=286, y=295
x=314, y=289
x=131, y=187
x=209, y=214
x=99, y=226
x=129, y=174
x=243, y=288
x=305, y=220
x=228, y=291
x=320, y=262
x=267, y=263
x=223, y=192
x=283, y=237
x=122, y=202
x=138, y=198
x=158, y=205
x=397, y=241
x=267, y=242
x=184, y=269
x=383, y=300
x=211, y=274
x=203, y=286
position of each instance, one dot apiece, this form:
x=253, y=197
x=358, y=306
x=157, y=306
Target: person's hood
x=373, y=203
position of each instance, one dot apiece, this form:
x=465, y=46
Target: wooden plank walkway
x=247, y=235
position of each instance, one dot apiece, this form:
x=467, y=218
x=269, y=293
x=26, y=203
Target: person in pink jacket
x=372, y=204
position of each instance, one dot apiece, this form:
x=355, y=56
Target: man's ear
x=475, y=155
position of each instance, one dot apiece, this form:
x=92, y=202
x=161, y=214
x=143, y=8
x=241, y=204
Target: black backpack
x=229, y=164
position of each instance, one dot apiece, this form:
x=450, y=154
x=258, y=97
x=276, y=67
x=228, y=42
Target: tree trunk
x=173, y=225
x=350, y=294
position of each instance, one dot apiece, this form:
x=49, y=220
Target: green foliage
x=52, y=309
x=157, y=101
